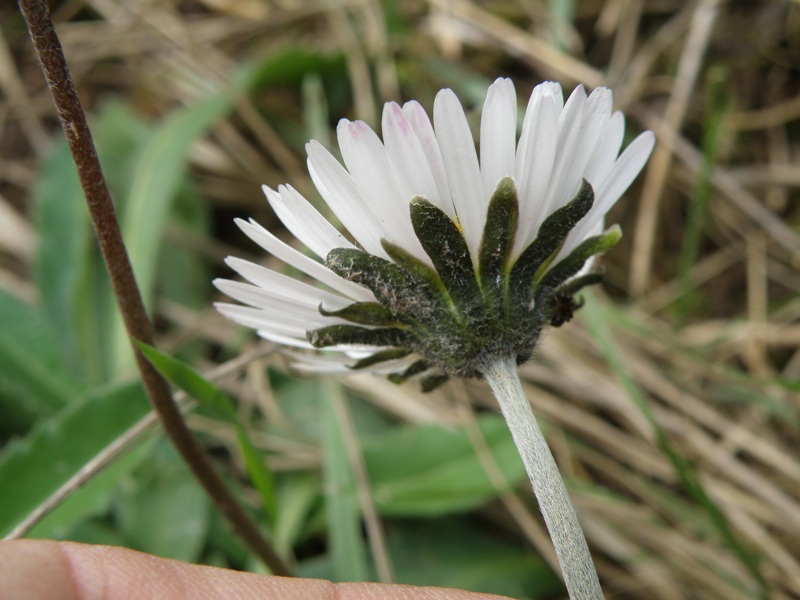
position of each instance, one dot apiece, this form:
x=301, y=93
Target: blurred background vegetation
x=670, y=402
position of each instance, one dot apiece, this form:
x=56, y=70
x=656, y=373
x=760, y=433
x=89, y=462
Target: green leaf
x=181, y=375
x=183, y=272
x=75, y=291
x=161, y=508
x=455, y=553
x=64, y=235
x=425, y=470
x=220, y=404
x=34, y=382
x=298, y=493
x=160, y=173
x=93, y=499
x=34, y=467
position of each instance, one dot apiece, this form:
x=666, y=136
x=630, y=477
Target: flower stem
x=559, y=515
x=126, y=290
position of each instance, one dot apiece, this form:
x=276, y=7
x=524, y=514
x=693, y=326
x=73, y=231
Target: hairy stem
x=126, y=291
x=559, y=515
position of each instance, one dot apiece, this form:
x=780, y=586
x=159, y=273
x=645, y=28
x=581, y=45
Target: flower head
x=457, y=257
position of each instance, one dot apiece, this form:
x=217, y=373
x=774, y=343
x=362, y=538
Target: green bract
x=462, y=314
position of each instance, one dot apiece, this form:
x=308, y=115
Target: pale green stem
x=559, y=515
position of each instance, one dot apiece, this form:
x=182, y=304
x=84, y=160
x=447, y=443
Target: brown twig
x=137, y=322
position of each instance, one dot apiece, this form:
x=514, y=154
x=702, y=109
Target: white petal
x=278, y=308
x=286, y=340
x=534, y=164
x=431, y=154
x=461, y=164
x=388, y=197
x=345, y=198
x=311, y=363
x=254, y=318
x=292, y=257
x=498, y=134
x=304, y=221
x=284, y=286
x=570, y=124
x=607, y=150
x=596, y=116
x=625, y=170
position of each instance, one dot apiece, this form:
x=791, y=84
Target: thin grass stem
x=126, y=291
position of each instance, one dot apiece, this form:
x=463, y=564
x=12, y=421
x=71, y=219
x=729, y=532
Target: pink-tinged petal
x=535, y=157
x=421, y=124
x=299, y=261
x=304, y=221
x=461, y=165
x=498, y=135
x=345, y=198
x=365, y=157
x=407, y=155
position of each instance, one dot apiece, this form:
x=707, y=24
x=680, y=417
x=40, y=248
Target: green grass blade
x=222, y=406
x=718, y=105
x=345, y=540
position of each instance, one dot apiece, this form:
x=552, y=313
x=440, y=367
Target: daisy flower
x=456, y=260
x=454, y=257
